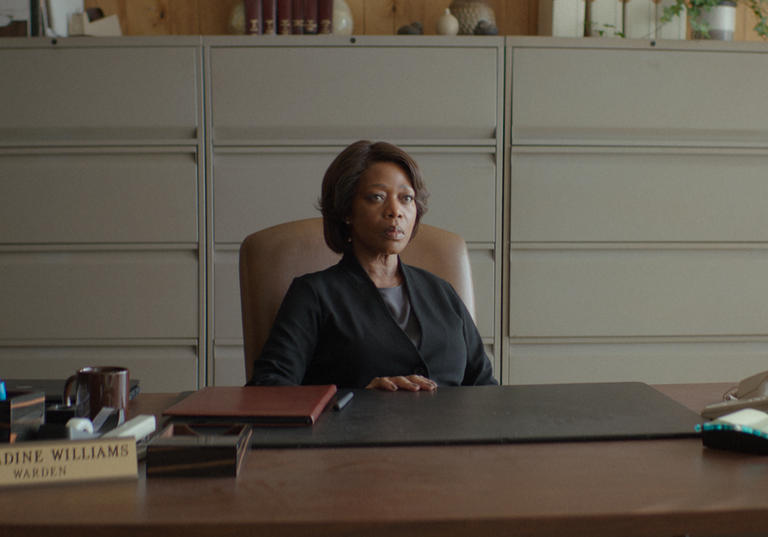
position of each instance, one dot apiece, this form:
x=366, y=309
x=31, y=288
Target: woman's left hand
x=412, y=383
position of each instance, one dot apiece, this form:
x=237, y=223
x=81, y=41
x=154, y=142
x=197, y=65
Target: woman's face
x=383, y=211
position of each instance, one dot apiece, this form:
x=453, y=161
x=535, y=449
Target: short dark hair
x=340, y=185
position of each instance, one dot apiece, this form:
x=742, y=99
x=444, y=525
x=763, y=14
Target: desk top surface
x=638, y=487
x=493, y=415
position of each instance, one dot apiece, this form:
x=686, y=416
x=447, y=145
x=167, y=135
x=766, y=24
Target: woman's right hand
x=411, y=383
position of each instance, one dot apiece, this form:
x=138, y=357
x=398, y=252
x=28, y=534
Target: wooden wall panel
x=378, y=17
x=406, y=12
x=357, y=8
x=372, y=17
x=169, y=17
x=516, y=17
x=214, y=16
x=513, y=17
x=153, y=17
x=745, y=24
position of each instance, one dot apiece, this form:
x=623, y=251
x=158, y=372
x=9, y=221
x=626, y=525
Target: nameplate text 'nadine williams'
x=72, y=460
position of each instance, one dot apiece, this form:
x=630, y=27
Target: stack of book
x=270, y=17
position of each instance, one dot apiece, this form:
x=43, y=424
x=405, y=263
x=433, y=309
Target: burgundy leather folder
x=267, y=405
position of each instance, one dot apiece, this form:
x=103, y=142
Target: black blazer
x=333, y=327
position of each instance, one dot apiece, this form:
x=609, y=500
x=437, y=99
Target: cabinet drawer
x=349, y=92
x=256, y=190
x=575, y=293
x=638, y=96
x=228, y=365
x=253, y=191
x=70, y=295
x=96, y=197
x=670, y=362
x=62, y=94
x=462, y=189
x=570, y=194
x=483, y=269
x=227, y=315
x=159, y=368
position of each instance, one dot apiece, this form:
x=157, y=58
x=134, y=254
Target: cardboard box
x=106, y=27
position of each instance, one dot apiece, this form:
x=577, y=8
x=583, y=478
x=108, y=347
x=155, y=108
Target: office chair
x=271, y=258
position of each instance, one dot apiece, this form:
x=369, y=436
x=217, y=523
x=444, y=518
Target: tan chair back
x=271, y=258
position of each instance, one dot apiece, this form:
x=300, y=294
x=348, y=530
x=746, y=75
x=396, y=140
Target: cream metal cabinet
x=280, y=109
x=101, y=174
x=638, y=235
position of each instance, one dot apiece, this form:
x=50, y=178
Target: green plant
x=606, y=29
x=695, y=8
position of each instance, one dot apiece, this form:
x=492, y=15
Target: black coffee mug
x=97, y=387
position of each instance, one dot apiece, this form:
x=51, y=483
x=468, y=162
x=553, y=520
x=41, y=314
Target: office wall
x=635, y=243
x=371, y=17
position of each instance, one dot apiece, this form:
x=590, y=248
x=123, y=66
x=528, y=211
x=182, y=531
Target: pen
x=343, y=401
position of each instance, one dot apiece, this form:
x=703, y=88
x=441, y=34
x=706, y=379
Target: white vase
x=447, y=24
x=342, y=18
x=721, y=20
x=237, y=19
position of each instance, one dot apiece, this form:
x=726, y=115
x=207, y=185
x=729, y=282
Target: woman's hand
x=412, y=383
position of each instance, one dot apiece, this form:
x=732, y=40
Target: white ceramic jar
x=447, y=24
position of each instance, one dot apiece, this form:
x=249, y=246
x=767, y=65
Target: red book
x=252, y=17
x=269, y=17
x=278, y=405
x=310, y=16
x=297, y=12
x=284, y=17
x=324, y=16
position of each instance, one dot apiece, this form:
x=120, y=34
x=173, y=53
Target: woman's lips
x=394, y=233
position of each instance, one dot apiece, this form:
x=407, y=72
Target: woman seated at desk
x=372, y=321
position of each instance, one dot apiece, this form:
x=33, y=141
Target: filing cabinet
x=279, y=112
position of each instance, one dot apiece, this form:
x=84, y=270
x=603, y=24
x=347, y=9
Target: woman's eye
x=407, y=198
x=377, y=197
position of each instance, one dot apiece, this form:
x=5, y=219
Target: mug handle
x=66, y=399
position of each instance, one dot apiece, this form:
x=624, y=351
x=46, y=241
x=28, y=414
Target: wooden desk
x=664, y=487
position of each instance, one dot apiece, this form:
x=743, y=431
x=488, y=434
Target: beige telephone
x=752, y=392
